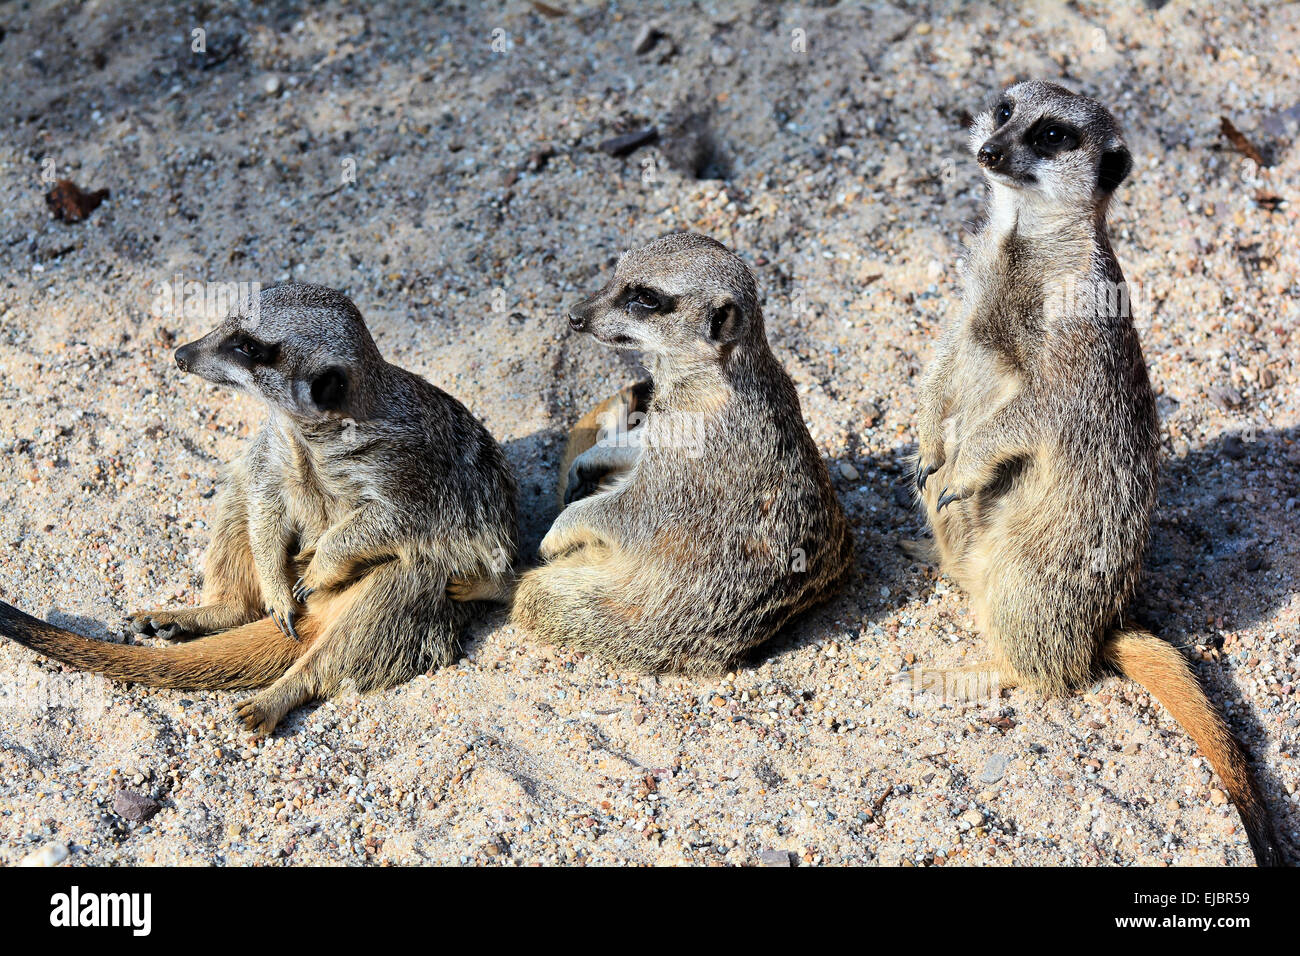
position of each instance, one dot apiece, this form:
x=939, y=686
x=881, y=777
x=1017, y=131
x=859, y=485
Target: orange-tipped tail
x=1160, y=668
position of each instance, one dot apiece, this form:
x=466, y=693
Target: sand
x=449, y=178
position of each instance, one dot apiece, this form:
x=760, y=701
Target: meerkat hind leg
x=189, y=622
x=362, y=640
x=976, y=683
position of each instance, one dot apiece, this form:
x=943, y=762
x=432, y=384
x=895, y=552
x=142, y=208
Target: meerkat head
x=683, y=297
x=1043, y=142
x=303, y=349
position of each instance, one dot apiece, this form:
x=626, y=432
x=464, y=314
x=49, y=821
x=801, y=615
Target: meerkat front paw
x=929, y=459
x=284, y=612
x=165, y=624
x=947, y=497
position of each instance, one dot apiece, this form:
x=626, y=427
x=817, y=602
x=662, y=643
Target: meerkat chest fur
x=321, y=482
x=1026, y=269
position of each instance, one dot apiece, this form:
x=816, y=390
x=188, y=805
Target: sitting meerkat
x=713, y=522
x=1039, y=442
x=336, y=532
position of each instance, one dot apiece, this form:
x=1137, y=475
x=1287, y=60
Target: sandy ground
x=458, y=193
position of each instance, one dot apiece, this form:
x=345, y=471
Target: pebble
x=848, y=471
x=646, y=39
x=994, y=768
x=133, y=806
x=51, y=854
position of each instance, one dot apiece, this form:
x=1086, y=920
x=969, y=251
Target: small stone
x=630, y=142
x=51, y=854
x=135, y=807
x=722, y=55
x=1218, y=797
x=1223, y=397
x=271, y=84
x=774, y=858
x=994, y=768
x=848, y=471
x=646, y=39
x=972, y=818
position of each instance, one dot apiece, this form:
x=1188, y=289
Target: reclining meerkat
x=1039, y=441
x=336, y=531
x=714, y=521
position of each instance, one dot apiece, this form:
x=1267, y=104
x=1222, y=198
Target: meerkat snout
x=991, y=157
x=185, y=355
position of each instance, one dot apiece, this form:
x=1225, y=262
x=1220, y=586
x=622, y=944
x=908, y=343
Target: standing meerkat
x=1039, y=442
x=714, y=521
x=336, y=532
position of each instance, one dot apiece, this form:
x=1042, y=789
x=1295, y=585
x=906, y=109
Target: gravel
x=445, y=169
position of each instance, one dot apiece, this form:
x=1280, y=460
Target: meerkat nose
x=184, y=355
x=990, y=157
x=577, y=322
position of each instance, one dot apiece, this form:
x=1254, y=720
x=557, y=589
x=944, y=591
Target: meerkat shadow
x=1222, y=558
x=881, y=514
x=1223, y=536
x=88, y=626
x=535, y=460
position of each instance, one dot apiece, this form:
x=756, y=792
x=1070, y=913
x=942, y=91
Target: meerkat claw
x=923, y=473
x=946, y=499
x=301, y=592
x=285, y=624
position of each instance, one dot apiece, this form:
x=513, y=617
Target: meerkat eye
x=1002, y=112
x=248, y=347
x=644, y=300
x=1056, y=138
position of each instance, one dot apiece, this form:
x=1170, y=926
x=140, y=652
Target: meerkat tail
x=585, y=433
x=247, y=656
x=1165, y=673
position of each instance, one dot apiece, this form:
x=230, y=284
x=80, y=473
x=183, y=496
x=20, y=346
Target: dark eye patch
x=248, y=351
x=1050, y=137
x=642, y=300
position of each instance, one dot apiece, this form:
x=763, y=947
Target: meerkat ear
x=724, y=322
x=329, y=389
x=1114, y=168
